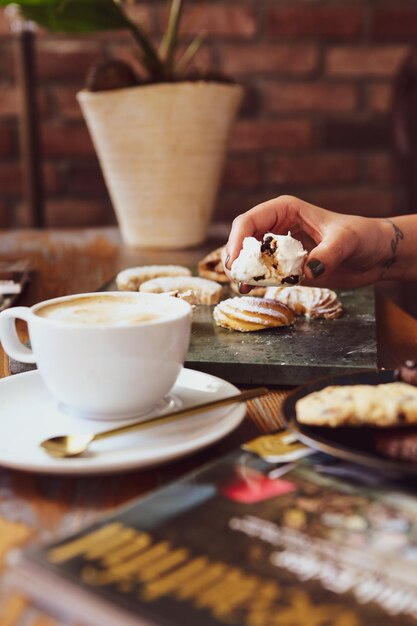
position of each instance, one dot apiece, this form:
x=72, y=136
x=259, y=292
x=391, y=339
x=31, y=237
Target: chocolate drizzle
x=291, y=280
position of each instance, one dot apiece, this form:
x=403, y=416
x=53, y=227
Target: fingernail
x=316, y=267
x=227, y=261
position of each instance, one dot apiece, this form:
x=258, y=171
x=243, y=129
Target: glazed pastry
x=204, y=291
x=276, y=260
x=407, y=373
x=248, y=313
x=359, y=405
x=211, y=266
x=131, y=278
x=312, y=302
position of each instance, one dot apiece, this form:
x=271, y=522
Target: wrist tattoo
x=398, y=236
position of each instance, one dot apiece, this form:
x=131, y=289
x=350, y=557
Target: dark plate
x=355, y=444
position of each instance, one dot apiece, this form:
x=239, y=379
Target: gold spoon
x=73, y=445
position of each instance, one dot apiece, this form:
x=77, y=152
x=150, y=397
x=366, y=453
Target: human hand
x=343, y=250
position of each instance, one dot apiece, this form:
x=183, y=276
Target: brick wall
x=315, y=121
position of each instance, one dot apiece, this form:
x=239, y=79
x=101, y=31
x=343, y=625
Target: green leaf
x=170, y=40
x=89, y=16
x=190, y=52
x=73, y=16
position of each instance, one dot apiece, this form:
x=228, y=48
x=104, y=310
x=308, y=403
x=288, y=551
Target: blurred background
x=327, y=116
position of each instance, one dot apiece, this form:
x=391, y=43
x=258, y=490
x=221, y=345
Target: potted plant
x=161, y=138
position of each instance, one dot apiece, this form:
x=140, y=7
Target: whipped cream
x=275, y=260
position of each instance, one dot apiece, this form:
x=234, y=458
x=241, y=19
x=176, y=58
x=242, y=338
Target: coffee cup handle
x=9, y=337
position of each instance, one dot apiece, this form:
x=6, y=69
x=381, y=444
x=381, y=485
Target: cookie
x=359, y=405
x=211, y=266
x=204, y=291
x=248, y=313
x=131, y=278
x=312, y=302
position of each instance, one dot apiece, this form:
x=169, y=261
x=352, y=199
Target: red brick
x=5, y=220
x=65, y=102
x=314, y=168
x=10, y=104
x=10, y=178
x=378, y=97
x=51, y=179
x=86, y=179
x=280, y=59
x=233, y=203
x=322, y=21
x=259, y=135
x=381, y=168
x=141, y=15
x=216, y=19
x=8, y=101
x=66, y=141
x=309, y=96
x=4, y=24
x=7, y=140
x=6, y=59
x=364, y=61
x=356, y=134
x=61, y=59
x=366, y=201
x=389, y=22
x=242, y=173
x=76, y=212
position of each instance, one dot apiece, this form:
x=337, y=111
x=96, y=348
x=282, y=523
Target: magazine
x=241, y=541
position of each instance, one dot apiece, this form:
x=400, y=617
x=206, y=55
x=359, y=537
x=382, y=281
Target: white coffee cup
x=110, y=355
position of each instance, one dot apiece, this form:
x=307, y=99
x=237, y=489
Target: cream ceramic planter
x=162, y=149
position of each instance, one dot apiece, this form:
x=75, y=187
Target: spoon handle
x=176, y=415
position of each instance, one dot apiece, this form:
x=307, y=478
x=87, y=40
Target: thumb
x=324, y=259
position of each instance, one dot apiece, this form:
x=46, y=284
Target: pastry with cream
x=211, y=266
x=248, y=313
x=199, y=290
x=312, y=302
x=276, y=260
x=131, y=278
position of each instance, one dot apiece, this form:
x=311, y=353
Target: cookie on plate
x=383, y=405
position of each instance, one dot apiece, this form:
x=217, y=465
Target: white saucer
x=30, y=414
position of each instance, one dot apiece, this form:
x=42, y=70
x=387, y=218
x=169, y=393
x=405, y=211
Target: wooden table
x=36, y=508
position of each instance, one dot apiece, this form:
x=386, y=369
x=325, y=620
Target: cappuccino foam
x=103, y=310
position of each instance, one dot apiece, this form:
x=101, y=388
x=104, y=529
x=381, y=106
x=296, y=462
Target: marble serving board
x=287, y=356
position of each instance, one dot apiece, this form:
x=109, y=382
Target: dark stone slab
x=289, y=356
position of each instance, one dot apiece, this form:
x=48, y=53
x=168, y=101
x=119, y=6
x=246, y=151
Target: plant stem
x=170, y=40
